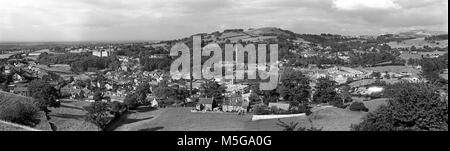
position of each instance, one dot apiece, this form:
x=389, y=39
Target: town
x=325, y=82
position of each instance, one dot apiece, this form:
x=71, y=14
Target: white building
x=102, y=53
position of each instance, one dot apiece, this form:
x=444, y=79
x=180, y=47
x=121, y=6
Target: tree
x=294, y=87
x=141, y=91
x=376, y=75
x=345, y=94
x=131, y=101
x=212, y=89
x=293, y=126
x=180, y=93
x=325, y=93
x=162, y=90
x=44, y=94
x=21, y=113
x=98, y=114
x=414, y=106
x=98, y=96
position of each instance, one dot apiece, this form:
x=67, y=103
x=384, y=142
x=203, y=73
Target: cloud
x=365, y=4
x=49, y=20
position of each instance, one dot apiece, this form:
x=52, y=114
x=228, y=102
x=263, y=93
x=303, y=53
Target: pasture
x=181, y=119
x=418, y=43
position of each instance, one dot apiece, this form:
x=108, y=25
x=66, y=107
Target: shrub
x=414, y=106
x=379, y=120
x=274, y=110
x=25, y=114
x=300, y=109
x=131, y=101
x=358, y=106
x=98, y=114
x=336, y=102
x=261, y=110
x=116, y=108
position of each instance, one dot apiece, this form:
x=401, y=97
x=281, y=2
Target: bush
x=25, y=114
x=274, y=110
x=414, y=106
x=358, y=106
x=98, y=114
x=300, y=109
x=261, y=110
x=131, y=101
x=337, y=103
x=116, y=108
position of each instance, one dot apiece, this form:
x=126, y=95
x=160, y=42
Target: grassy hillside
x=419, y=43
x=181, y=119
x=8, y=102
x=68, y=117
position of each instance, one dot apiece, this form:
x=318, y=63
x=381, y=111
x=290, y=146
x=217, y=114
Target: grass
x=181, y=119
x=366, y=82
x=70, y=117
x=394, y=69
x=61, y=68
x=418, y=42
x=372, y=105
x=8, y=100
x=6, y=127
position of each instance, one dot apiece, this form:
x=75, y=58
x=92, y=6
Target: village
x=136, y=75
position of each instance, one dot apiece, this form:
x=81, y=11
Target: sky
x=111, y=20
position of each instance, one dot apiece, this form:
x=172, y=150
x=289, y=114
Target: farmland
x=418, y=43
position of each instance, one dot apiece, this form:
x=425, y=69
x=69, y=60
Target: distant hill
x=269, y=31
x=419, y=33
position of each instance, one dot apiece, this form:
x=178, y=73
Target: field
x=370, y=81
x=58, y=68
x=70, y=117
x=394, y=69
x=5, y=56
x=181, y=119
x=418, y=42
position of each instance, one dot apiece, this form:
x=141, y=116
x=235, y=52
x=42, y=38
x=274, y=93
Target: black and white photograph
x=223, y=65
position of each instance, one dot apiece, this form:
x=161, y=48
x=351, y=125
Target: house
x=280, y=105
x=205, y=104
x=154, y=103
x=102, y=53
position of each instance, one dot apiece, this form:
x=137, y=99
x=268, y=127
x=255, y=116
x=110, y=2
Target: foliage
x=21, y=113
x=294, y=86
x=358, y=106
x=98, y=96
x=44, y=94
x=116, y=108
x=374, y=58
x=293, y=126
x=131, y=101
x=98, y=114
x=414, y=106
x=261, y=110
x=79, y=62
x=162, y=90
x=141, y=92
x=326, y=93
x=212, y=89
